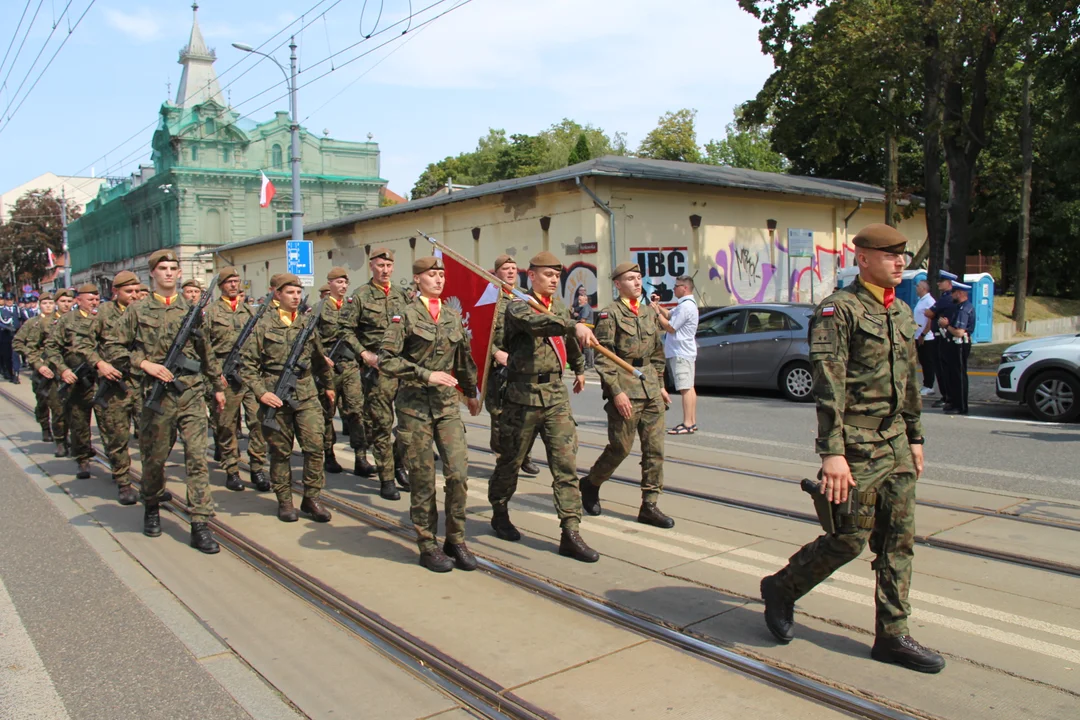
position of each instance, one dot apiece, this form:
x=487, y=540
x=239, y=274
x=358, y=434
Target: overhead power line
x=29, y=70
x=23, y=43
x=15, y=35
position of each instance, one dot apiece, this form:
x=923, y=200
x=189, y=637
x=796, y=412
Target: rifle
x=290, y=371
x=176, y=360
x=230, y=369
x=82, y=380
x=107, y=390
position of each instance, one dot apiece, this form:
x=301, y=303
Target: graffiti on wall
x=578, y=275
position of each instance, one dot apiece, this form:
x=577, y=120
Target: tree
x=33, y=228
x=749, y=148
x=563, y=137
x=673, y=138
x=523, y=157
x=580, y=153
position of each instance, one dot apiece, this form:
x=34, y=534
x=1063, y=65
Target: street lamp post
x=294, y=126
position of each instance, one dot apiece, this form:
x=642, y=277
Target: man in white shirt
x=680, y=349
x=924, y=339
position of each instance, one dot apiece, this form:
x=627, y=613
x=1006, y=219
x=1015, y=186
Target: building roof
x=615, y=166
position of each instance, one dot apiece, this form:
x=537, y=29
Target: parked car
x=758, y=345
x=1043, y=374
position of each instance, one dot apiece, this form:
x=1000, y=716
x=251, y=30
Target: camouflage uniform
x=536, y=402
x=415, y=346
x=114, y=421
x=224, y=324
x=146, y=331
x=264, y=356
x=634, y=337
x=30, y=341
x=868, y=407
x=338, y=324
x=65, y=349
x=374, y=308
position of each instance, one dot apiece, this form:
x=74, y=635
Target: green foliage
x=581, y=152
x=523, y=157
x=673, y=138
x=749, y=147
x=33, y=227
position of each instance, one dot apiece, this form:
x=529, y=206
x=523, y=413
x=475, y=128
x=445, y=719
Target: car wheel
x=1054, y=396
x=796, y=382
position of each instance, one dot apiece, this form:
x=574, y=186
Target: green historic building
x=202, y=188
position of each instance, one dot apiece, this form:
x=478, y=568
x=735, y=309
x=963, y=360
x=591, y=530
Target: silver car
x=758, y=345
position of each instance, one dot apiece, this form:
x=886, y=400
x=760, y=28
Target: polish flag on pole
x=266, y=193
x=476, y=299
x=51, y=257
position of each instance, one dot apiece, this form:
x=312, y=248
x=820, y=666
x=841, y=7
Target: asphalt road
x=998, y=446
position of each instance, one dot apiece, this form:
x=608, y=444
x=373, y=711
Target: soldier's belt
x=541, y=378
x=867, y=422
x=637, y=362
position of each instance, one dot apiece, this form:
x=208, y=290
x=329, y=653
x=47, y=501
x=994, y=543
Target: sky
x=520, y=65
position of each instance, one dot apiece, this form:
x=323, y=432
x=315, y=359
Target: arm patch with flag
x=828, y=311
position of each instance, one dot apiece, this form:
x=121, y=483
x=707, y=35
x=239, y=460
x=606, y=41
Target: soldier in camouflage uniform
x=376, y=302
x=114, y=420
x=427, y=350
x=870, y=439
x=336, y=329
x=225, y=318
x=139, y=343
x=264, y=359
x=192, y=290
x=536, y=403
x=30, y=341
x=634, y=405
x=66, y=351
x=65, y=299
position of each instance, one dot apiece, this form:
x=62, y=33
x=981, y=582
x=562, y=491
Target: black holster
x=841, y=518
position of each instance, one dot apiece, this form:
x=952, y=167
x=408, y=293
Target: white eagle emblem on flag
x=455, y=303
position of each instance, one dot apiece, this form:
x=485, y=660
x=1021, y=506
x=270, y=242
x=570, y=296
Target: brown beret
x=337, y=272
x=125, y=278
x=880, y=236
x=381, y=253
x=227, y=273
x=286, y=279
x=45, y=296
x=324, y=288
x=88, y=288
x=162, y=256
x=275, y=280
x=143, y=287
x=192, y=283
x=66, y=292
x=424, y=264
x=545, y=259
x=503, y=259
x=623, y=268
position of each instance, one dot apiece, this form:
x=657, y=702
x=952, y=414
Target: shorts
x=682, y=372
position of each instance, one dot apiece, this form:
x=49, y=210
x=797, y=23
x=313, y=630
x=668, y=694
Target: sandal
x=679, y=429
x=692, y=428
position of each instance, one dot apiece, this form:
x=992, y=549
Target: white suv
x=1044, y=374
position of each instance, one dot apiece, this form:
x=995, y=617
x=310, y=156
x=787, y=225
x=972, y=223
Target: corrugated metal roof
x=618, y=167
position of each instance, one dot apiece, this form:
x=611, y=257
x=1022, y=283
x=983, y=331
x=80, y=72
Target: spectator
x=583, y=312
x=680, y=349
x=924, y=338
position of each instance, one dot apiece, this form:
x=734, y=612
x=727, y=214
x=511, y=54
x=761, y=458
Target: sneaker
x=926, y=391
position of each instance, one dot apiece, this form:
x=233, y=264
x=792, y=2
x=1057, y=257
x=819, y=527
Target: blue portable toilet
x=906, y=289
x=982, y=297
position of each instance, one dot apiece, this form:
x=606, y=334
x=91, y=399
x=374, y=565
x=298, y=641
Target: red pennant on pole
x=476, y=299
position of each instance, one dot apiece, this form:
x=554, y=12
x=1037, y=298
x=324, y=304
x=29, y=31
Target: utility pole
x=1020, y=302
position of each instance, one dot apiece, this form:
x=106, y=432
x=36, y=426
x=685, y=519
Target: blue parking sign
x=299, y=257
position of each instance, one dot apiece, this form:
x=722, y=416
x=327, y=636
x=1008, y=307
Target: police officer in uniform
x=9, y=325
x=30, y=341
x=870, y=440
x=944, y=313
x=635, y=406
x=427, y=351
x=958, y=347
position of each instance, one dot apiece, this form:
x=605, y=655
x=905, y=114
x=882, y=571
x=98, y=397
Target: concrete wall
x=1006, y=331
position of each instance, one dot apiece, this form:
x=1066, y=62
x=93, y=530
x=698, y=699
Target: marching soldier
x=64, y=300
x=66, y=349
x=114, y=420
x=30, y=341
x=225, y=319
x=376, y=302
x=264, y=358
x=324, y=291
x=192, y=290
x=427, y=350
x=140, y=340
x=536, y=403
x=870, y=439
x=634, y=406
x=336, y=330
x=506, y=270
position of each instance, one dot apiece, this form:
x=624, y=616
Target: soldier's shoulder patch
x=396, y=318
x=350, y=300
x=828, y=311
x=603, y=316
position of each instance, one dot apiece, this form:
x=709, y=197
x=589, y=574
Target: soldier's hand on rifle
x=441, y=378
x=158, y=372
x=585, y=335
x=502, y=357
x=46, y=372
x=271, y=400
x=69, y=377
x=331, y=396
x=579, y=383
x=329, y=362
x=836, y=478
x=370, y=358
x=107, y=371
x=219, y=400
x=917, y=456
x=474, y=406
x=623, y=405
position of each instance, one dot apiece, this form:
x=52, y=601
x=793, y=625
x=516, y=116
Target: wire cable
x=23, y=43
x=30, y=70
x=15, y=35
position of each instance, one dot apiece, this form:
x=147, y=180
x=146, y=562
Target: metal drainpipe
x=858, y=207
x=611, y=215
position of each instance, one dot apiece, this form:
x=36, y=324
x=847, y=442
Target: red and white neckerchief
x=337, y=303
x=888, y=296
x=558, y=342
x=434, y=308
x=233, y=302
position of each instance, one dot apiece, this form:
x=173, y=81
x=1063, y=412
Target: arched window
x=275, y=157
x=225, y=155
x=211, y=126
x=194, y=152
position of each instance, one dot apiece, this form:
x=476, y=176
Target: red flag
x=266, y=192
x=476, y=299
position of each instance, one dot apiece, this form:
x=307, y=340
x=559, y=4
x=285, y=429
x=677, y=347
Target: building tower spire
x=198, y=82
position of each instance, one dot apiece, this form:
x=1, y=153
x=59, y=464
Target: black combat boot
x=84, y=470
x=314, y=508
x=435, y=560
x=61, y=449
x=504, y=529
x=905, y=651
x=127, y=494
x=202, y=539
x=362, y=467
x=590, y=497
x=260, y=481
x=285, y=511
x=571, y=545
x=402, y=477
x=387, y=491
x=46, y=435
x=233, y=482
x=779, y=611
x=217, y=452
x=330, y=464
x=463, y=558
x=151, y=524
x=649, y=514
x=530, y=468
